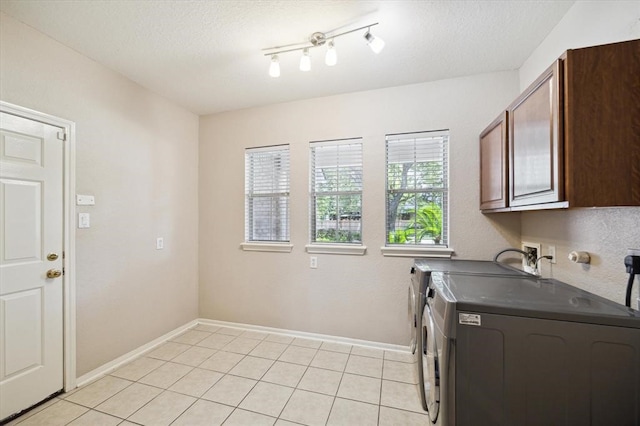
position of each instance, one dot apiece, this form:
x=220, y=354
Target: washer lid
x=532, y=297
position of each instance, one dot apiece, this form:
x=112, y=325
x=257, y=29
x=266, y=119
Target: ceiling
x=207, y=55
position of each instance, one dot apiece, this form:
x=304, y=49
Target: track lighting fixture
x=318, y=39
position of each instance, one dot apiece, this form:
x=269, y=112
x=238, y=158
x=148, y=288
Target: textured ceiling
x=207, y=55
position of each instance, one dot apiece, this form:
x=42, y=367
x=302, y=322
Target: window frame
x=281, y=154
x=419, y=249
x=334, y=247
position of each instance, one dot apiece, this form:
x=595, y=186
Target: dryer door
x=413, y=318
x=430, y=365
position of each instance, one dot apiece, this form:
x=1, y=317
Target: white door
x=31, y=244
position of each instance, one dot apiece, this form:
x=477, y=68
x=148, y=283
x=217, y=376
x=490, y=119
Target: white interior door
x=31, y=251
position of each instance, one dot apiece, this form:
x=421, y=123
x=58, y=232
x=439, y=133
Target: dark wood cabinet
x=494, y=165
x=573, y=135
x=602, y=125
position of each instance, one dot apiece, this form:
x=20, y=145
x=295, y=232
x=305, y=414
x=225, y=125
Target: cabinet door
x=535, y=142
x=602, y=125
x=493, y=165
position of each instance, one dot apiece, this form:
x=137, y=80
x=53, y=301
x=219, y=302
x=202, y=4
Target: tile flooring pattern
x=213, y=375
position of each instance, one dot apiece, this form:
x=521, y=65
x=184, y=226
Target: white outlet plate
x=313, y=262
x=525, y=266
x=159, y=243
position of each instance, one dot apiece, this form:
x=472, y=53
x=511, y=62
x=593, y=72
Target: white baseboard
x=305, y=335
x=118, y=362
x=129, y=356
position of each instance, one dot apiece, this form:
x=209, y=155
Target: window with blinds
x=267, y=194
x=417, y=189
x=336, y=191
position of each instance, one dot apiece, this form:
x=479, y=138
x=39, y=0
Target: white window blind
x=267, y=194
x=336, y=191
x=417, y=189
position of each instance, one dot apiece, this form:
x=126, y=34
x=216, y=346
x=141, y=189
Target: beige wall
x=138, y=154
x=360, y=297
x=606, y=233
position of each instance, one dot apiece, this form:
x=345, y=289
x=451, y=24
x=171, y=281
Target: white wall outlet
x=551, y=251
x=84, y=220
x=159, y=243
x=313, y=262
x=529, y=261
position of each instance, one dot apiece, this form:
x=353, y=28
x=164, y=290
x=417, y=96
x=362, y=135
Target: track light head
x=274, y=67
x=375, y=43
x=305, y=61
x=331, y=58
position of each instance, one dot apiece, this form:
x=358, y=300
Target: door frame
x=69, y=234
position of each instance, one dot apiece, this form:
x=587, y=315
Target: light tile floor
x=213, y=375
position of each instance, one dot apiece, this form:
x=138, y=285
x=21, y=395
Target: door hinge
x=62, y=135
x=62, y=271
x=63, y=254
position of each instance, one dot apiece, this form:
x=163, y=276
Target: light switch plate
x=159, y=243
x=85, y=200
x=84, y=220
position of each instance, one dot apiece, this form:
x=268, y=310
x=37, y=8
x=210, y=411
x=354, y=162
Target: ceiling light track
x=318, y=39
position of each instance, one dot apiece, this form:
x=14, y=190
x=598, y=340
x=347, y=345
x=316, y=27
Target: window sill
x=399, y=251
x=349, y=249
x=272, y=247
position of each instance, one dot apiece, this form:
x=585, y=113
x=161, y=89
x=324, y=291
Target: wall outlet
x=533, y=253
x=313, y=262
x=551, y=251
x=159, y=243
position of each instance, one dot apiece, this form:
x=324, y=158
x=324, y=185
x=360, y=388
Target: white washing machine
x=418, y=292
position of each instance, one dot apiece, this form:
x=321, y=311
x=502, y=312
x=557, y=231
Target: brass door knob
x=52, y=256
x=54, y=273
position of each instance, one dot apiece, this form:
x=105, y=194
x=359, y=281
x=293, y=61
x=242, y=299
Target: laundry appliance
x=420, y=277
x=521, y=350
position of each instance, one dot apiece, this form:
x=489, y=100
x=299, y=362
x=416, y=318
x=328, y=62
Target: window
x=267, y=194
x=336, y=191
x=417, y=189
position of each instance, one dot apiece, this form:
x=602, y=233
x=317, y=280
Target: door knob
x=54, y=273
x=52, y=256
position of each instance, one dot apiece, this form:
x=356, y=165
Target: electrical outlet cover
x=529, y=263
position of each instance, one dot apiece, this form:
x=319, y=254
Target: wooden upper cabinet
x=573, y=135
x=535, y=142
x=602, y=125
x=494, y=165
